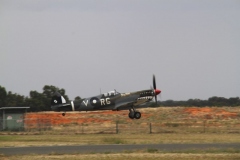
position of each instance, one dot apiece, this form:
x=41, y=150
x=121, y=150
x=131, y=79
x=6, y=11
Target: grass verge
x=85, y=139
x=132, y=156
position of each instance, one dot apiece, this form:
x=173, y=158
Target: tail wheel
x=137, y=115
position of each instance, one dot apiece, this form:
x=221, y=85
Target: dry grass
x=172, y=125
x=163, y=120
x=132, y=156
x=153, y=115
x=176, y=120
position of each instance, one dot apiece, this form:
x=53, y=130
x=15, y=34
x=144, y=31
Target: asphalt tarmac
x=113, y=148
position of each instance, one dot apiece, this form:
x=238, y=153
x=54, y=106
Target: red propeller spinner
x=157, y=91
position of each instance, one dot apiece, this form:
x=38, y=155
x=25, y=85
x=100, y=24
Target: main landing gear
x=134, y=114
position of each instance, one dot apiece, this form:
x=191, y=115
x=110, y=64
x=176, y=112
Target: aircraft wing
x=125, y=103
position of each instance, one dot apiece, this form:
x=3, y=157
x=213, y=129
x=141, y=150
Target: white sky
x=193, y=47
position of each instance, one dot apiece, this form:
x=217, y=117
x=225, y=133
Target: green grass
x=152, y=150
x=113, y=140
x=84, y=139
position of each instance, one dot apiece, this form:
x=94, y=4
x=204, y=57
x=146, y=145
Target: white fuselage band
x=73, y=108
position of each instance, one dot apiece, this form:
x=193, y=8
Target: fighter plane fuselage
x=112, y=100
x=106, y=101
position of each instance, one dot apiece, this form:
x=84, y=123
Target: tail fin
x=57, y=99
x=58, y=103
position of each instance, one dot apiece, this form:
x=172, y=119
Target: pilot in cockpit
x=111, y=93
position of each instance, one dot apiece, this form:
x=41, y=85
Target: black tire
x=63, y=114
x=131, y=115
x=137, y=115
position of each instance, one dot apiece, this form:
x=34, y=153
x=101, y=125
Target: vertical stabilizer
x=57, y=99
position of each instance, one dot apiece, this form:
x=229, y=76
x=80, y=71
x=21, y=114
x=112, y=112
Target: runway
x=114, y=148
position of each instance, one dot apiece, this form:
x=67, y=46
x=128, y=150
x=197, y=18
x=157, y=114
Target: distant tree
x=153, y=104
x=218, y=101
x=77, y=98
x=170, y=103
x=212, y=101
x=195, y=102
x=15, y=100
x=3, y=96
x=49, y=90
x=234, y=101
x=36, y=101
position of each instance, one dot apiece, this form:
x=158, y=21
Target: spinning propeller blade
x=154, y=82
x=156, y=91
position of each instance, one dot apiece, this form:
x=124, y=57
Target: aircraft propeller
x=156, y=91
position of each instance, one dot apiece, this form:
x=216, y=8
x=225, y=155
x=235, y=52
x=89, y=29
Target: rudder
x=57, y=99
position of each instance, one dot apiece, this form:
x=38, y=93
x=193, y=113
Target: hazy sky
x=193, y=47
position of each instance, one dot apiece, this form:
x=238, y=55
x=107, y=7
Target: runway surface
x=112, y=148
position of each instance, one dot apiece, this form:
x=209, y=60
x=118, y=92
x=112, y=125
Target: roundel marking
x=94, y=101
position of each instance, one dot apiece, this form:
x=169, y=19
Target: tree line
x=36, y=101
x=40, y=101
x=212, y=101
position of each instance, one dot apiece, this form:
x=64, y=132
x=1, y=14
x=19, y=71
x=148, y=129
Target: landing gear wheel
x=134, y=114
x=137, y=115
x=63, y=114
x=131, y=115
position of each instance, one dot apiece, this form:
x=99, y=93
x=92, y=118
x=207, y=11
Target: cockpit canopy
x=111, y=93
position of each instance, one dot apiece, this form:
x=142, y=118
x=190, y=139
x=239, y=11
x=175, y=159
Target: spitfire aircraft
x=112, y=100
